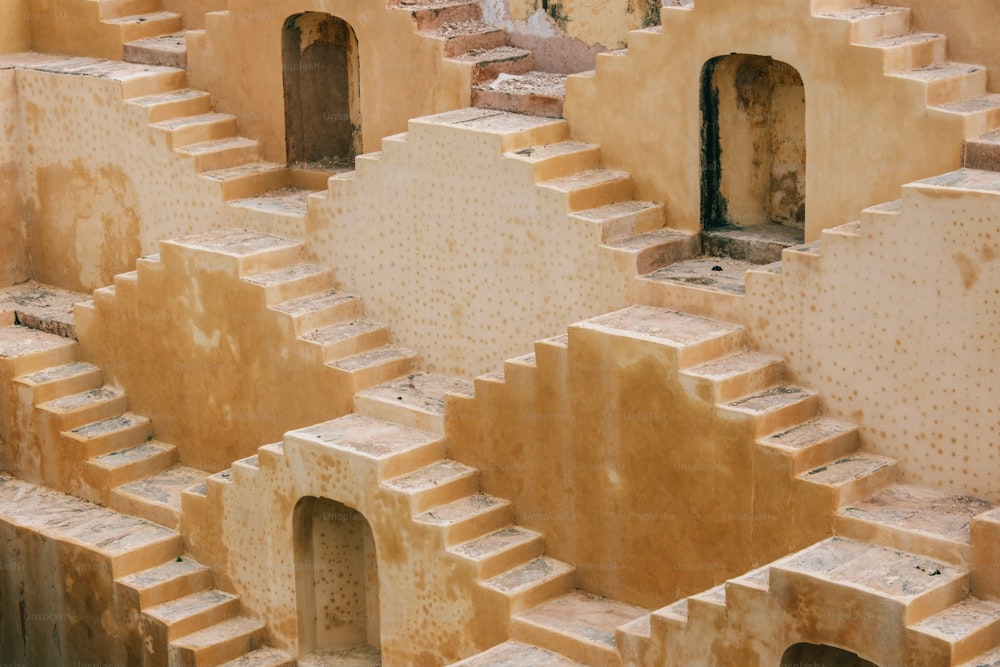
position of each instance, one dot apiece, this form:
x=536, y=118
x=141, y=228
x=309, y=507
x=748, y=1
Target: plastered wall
x=14, y=264
x=14, y=30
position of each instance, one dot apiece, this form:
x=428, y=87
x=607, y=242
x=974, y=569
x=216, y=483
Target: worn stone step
x=349, y=338
x=756, y=244
x=173, y=104
x=910, y=50
x=42, y=307
x=874, y=582
x=135, y=80
x=500, y=550
x=854, y=477
x=983, y=152
x=498, y=131
x=395, y=449
x=248, y=180
x=289, y=201
x=703, y=285
x=417, y=399
x=695, y=339
x=158, y=497
x=463, y=36
x=708, y=608
x=558, y=160
x=180, y=617
x=169, y=50
x=432, y=14
x=514, y=653
x=292, y=282
x=125, y=465
x=648, y=252
x=730, y=377
x=127, y=543
x=178, y=577
x=668, y=619
x=527, y=585
x=354, y=656
x=223, y=153
x=592, y=188
x=187, y=130
x=218, y=643
x=57, y=381
x=368, y=369
x=957, y=634
x=881, y=213
x=488, y=64
x=623, y=220
x=948, y=82
x=468, y=518
x=263, y=657
x=775, y=409
x=109, y=435
x=534, y=93
x=870, y=22
x=578, y=625
x=915, y=519
x=980, y=114
x=76, y=410
x=25, y=350
x=140, y=26
x=321, y=309
x=242, y=252
x=810, y=445
x=437, y=484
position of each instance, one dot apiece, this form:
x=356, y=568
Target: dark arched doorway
x=336, y=579
x=322, y=90
x=822, y=655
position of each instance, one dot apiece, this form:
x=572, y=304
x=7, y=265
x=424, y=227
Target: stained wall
x=14, y=31
x=14, y=263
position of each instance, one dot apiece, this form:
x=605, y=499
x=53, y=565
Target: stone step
x=187, y=130
x=895, y=587
x=176, y=578
x=558, y=160
x=648, y=252
x=881, y=213
x=708, y=608
x=158, y=497
x=321, y=309
x=983, y=152
x=592, y=188
x=432, y=14
x=437, y=484
x=730, y=377
x=248, y=180
x=246, y=469
x=135, y=80
x=42, y=307
x=127, y=543
x=183, y=616
x=853, y=478
x=775, y=409
x=488, y=64
x=349, y=338
x=417, y=399
x=289, y=201
x=948, y=82
x=756, y=244
x=463, y=36
x=242, y=251
x=910, y=51
x=219, y=643
x=169, y=50
x=958, y=181
x=57, y=381
x=368, y=369
x=140, y=26
x=624, y=220
x=914, y=519
x=670, y=618
x=217, y=154
x=514, y=653
x=981, y=114
x=354, y=656
x=126, y=465
x=578, y=625
x=174, y=104
x=468, y=518
x=500, y=550
x=109, y=9
x=689, y=284
x=533, y=93
x=292, y=282
x=529, y=584
x=810, y=445
x=263, y=657
x=109, y=435
x=957, y=634
x=870, y=22
x=76, y=410
x=396, y=449
x=26, y=350
x=696, y=339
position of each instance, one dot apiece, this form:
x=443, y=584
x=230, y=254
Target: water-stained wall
x=14, y=264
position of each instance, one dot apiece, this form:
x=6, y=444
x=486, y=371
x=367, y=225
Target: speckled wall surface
x=14, y=264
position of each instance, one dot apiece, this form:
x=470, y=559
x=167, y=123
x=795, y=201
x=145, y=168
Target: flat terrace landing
x=41, y=307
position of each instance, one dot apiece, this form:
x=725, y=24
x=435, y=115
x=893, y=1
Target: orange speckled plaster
x=14, y=264
x=881, y=145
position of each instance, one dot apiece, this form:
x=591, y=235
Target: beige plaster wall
x=193, y=11
x=72, y=27
x=403, y=75
x=15, y=34
x=14, y=263
x=858, y=122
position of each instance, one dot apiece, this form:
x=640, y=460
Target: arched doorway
x=753, y=143
x=336, y=579
x=322, y=90
x=822, y=655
